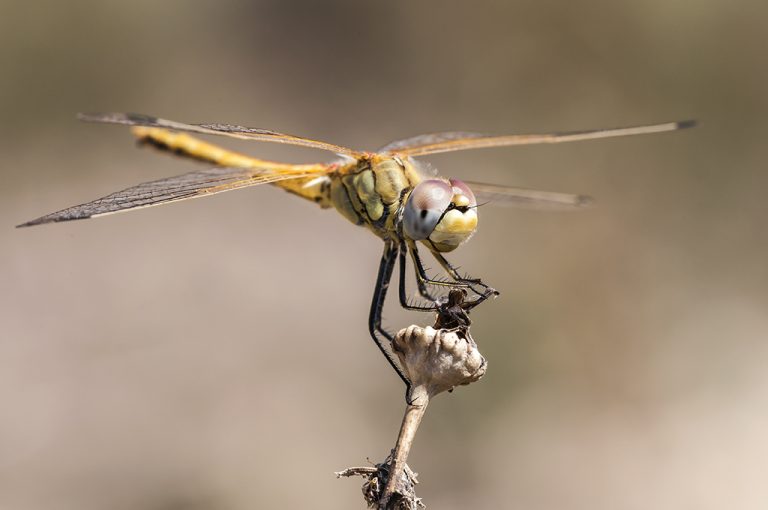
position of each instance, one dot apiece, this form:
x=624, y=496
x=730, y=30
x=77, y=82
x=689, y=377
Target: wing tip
x=116, y=118
x=52, y=218
x=686, y=124
x=32, y=223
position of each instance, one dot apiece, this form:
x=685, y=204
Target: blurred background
x=214, y=354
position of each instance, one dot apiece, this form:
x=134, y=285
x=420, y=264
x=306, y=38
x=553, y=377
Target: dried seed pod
x=438, y=360
x=435, y=359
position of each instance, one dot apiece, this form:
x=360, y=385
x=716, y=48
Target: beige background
x=214, y=354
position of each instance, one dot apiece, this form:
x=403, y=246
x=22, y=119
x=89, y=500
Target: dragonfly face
x=383, y=191
x=441, y=213
x=390, y=196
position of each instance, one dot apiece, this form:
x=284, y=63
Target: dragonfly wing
x=173, y=189
x=408, y=144
x=456, y=141
x=244, y=133
x=496, y=194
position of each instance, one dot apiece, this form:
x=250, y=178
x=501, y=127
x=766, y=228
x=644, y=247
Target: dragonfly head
x=441, y=213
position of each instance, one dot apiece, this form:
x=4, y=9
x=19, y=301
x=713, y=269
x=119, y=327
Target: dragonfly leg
x=482, y=290
x=382, y=337
x=423, y=280
x=420, y=273
x=422, y=287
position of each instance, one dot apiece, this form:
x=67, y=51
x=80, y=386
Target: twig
x=413, y=415
x=435, y=360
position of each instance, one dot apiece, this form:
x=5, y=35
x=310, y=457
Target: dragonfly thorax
x=370, y=192
x=390, y=196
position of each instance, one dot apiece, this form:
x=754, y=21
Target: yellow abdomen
x=368, y=191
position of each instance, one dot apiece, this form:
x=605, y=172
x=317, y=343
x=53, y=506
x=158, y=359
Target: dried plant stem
x=413, y=415
x=436, y=360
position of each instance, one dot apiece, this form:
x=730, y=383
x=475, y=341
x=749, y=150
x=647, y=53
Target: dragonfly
x=387, y=191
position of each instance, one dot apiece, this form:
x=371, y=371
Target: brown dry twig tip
x=376, y=479
x=435, y=359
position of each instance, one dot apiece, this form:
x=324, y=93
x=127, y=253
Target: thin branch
x=435, y=360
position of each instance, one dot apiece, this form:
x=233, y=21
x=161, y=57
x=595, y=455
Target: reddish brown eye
x=462, y=186
x=425, y=206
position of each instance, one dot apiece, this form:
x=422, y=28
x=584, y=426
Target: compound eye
x=425, y=206
x=461, y=188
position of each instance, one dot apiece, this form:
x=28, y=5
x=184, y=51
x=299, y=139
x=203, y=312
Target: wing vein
x=173, y=189
x=232, y=131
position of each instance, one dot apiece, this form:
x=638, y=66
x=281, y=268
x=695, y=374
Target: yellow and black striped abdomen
x=313, y=188
x=368, y=191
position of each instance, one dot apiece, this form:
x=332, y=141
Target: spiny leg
x=386, y=266
x=483, y=292
x=472, y=283
x=419, y=270
x=423, y=280
x=422, y=287
x=421, y=284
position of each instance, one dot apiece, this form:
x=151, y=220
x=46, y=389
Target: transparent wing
x=456, y=141
x=428, y=140
x=244, y=133
x=173, y=189
x=527, y=198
